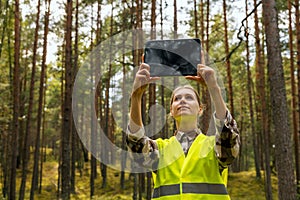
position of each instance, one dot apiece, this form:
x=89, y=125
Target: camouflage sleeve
x=227, y=140
x=146, y=148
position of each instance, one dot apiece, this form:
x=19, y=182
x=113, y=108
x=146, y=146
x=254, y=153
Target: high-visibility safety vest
x=195, y=176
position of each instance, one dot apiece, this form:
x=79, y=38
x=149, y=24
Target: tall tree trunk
x=8, y=154
x=229, y=77
x=134, y=15
x=207, y=112
x=152, y=96
x=207, y=25
x=62, y=91
x=5, y=163
x=16, y=96
x=93, y=142
x=141, y=176
x=74, y=138
x=284, y=160
x=99, y=94
x=26, y=148
x=124, y=119
x=196, y=18
x=161, y=19
x=43, y=147
x=256, y=133
x=23, y=104
x=261, y=91
x=228, y=64
x=35, y=172
x=165, y=128
x=265, y=133
x=67, y=107
x=249, y=88
x=124, y=109
x=107, y=109
x=136, y=60
x=93, y=121
x=175, y=35
x=296, y=136
x=175, y=25
x=202, y=21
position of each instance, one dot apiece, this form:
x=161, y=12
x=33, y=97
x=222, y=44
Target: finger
x=200, y=68
x=201, y=65
x=144, y=72
x=142, y=80
x=153, y=79
x=143, y=56
x=144, y=66
x=202, y=57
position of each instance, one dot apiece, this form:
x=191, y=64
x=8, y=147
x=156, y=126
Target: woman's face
x=185, y=103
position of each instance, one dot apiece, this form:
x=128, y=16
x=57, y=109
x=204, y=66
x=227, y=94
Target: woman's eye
x=176, y=98
x=189, y=97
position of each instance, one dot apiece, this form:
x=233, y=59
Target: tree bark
x=284, y=160
x=67, y=107
x=263, y=120
x=43, y=148
x=26, y=149
x=228, y=69
x=249, y=88
x=256, y=133
x=207, y=113
x=93, y=121
x=228, y=64
x=74, y=138
x=152, y=97
x=296, y=136
x=35, y=172
x=16, y=96
x=207, y=25
x=175, y=25
x=196, y=18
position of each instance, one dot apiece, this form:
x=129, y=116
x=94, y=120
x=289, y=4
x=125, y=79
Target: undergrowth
x=241, y=186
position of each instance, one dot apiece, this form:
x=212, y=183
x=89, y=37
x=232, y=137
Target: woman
x=189, y=165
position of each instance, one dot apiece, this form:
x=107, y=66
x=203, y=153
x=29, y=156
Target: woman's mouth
x=183, y=107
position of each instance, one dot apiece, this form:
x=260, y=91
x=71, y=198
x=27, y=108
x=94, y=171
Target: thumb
x=199, y=79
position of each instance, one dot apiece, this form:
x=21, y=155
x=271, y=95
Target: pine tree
x=284, y=160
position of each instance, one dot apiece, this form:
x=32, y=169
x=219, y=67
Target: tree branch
x=241, y=40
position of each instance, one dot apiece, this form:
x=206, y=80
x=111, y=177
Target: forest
x=66, y=73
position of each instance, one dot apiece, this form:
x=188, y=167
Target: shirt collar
x=191, y=135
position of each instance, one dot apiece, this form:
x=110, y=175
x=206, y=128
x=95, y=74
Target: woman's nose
x=182, y=101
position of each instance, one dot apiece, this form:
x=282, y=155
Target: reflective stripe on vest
x=195, y=188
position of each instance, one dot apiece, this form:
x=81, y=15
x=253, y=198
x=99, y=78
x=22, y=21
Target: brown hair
x=186, y=87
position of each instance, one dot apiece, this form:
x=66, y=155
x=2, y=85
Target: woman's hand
x=142, y=79
x=205, y=75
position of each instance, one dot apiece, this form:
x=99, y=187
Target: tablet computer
x=178, y=57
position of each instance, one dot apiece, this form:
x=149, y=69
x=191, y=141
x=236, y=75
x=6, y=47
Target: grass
x=241, y=186
x=245, y=186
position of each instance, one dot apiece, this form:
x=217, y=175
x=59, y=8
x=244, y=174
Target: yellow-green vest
x=195, y=176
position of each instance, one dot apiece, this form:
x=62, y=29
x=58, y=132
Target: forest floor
x=241, y=186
